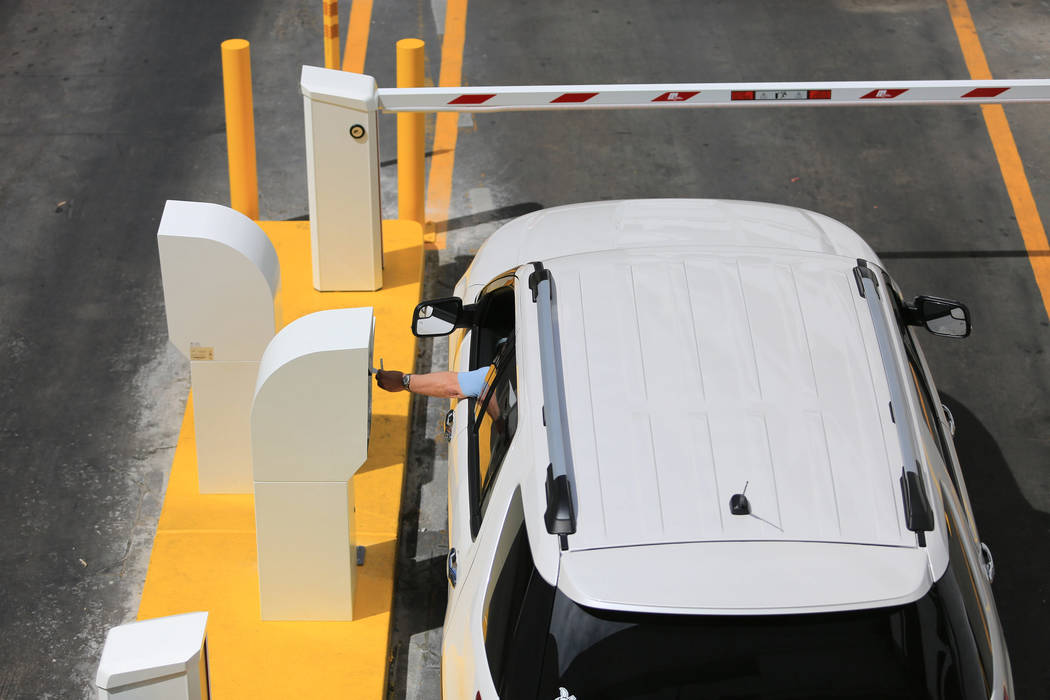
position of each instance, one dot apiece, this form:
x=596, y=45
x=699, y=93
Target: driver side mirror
x=943, y=317
x=438, y=317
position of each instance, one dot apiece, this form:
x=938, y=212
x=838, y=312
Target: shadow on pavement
x=420, y=594
x=447, y=275
x=953, y=254
x=1019, y=537
x=512, y=211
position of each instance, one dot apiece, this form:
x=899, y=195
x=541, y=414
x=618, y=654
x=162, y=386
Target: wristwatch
x=404, y=380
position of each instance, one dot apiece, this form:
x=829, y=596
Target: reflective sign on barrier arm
x=812, y=94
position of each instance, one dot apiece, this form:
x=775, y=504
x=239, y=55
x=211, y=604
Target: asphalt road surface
x=110, y=108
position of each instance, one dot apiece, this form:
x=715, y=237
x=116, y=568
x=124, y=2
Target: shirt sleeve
x=471, y=383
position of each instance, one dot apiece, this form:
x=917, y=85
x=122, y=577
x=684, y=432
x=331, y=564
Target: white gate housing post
x=342, y=173
x=161, y=659
x=220, y=275
x=310, y=422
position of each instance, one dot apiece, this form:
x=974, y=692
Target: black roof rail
x=539, y=274
x=862, y=272
x=560, y=516
x=917, y=514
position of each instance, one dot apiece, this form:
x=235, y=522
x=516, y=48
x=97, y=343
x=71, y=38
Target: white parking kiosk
x=161, y=659
x=342, y=174
x=309, y=428
x=220, y=275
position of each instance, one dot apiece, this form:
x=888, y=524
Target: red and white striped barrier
x=338, y=104
x=822, y=94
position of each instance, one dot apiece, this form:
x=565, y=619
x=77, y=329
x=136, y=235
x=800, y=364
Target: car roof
x=648, y=223
x=694, y=374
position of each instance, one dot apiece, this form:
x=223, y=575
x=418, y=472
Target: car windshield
x=911, y=651
x=540, y=643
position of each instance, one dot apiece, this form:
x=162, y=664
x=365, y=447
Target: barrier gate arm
x=684, y=95
x=343, y=155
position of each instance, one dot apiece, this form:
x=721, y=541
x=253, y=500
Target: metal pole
x=331, y=33
x=240, y=126
x=410, y=135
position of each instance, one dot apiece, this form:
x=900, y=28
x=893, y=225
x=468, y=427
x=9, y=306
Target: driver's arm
x=443, y=385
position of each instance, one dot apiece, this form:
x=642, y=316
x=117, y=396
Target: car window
x=924, y=400
x=929, y=403
x=495, y=420
x=958, y=590
x=455, y=346
x=515, y=621
x=494, y=320
x=494, y=413
x=922, y=651
x=500, y=615
x=931, y=438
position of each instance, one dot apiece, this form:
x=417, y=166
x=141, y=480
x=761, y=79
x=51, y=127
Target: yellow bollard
x=410, y=135
x=240, y=126
x=331, y=33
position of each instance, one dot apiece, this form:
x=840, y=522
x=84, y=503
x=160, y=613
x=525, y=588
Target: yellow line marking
x=205, y=531
x=439, y=186
x=357, y=36
x=1028, y=220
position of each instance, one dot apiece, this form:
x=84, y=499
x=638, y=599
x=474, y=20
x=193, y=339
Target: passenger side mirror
x=942, y=317
x=440, y=317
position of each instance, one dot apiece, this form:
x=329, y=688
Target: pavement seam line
x=1017, y=187
x=446, y=131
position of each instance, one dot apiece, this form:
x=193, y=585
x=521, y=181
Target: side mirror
x=440, y=317
x=942, y=317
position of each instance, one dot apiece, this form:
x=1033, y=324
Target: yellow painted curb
x=204, y=554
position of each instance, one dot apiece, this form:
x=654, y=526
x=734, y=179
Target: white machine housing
x=161, y=659
x=309, y=425
x=342, y=172
x=220, y=276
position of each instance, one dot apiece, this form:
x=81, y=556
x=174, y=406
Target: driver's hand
x=389, y=379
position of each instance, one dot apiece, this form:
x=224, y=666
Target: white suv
x=708, y=463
